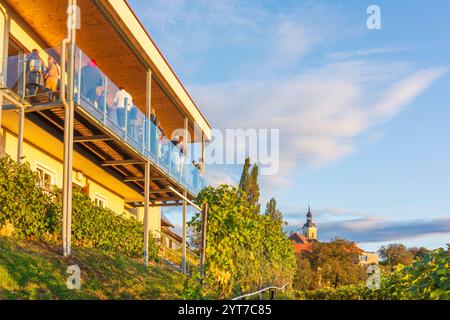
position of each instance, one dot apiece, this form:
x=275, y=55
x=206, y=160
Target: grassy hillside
x=32, y=270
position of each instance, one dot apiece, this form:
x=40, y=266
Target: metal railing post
x=24, y=78
x=143, y=128
x=79, y=77
x=105, y=101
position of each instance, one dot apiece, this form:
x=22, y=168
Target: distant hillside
x=32, y=270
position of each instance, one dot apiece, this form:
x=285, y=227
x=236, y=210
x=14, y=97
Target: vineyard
x=428, y=279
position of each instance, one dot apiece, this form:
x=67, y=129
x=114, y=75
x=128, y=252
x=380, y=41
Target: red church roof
x=300, y=242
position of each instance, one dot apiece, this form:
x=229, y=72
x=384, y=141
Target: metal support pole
x=184, y=242
x=203, y=155
x=68, y=134
x=203, y=252
x=20, y=134
x=186, y=150
x=146, y=209
x=1, y=130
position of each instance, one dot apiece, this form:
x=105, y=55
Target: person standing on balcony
x=35, y=72
x=132, y=121
x=122, y=103
x=161, y=140
x=52, y=77
x=175, y=154
x=91, y=80
x=182, y=147
x=153, y=132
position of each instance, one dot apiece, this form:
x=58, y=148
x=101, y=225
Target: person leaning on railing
x=199, y=168
x=91, y=80
x=123, y=102
x=153, y=132
x=52, y=77
x=132, y=121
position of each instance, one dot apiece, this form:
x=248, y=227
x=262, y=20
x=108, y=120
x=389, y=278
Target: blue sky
x=363, y=114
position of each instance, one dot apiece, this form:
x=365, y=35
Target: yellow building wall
x=36, y=157
x=154, y=220
x=310, y=233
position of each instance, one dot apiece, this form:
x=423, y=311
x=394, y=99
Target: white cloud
x=342, y=55
x=319, y=113
x=217, y=177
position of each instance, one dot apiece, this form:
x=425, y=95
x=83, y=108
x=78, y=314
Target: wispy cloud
x=343, y=55
x=365, y=227
x=320, y=113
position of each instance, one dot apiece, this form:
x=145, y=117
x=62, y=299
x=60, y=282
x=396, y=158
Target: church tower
x=309, y=229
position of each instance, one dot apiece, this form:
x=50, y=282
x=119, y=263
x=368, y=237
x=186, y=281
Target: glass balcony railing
x=35, y=78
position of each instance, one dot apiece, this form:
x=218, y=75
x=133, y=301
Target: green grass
x=33, y=270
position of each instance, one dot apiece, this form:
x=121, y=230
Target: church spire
x=309, y=228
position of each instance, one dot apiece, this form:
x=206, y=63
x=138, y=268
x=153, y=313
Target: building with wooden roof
x=88, y=99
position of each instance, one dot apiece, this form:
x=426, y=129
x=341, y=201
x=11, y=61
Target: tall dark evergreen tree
x=245, y=176
x=249, y=183
x=253, y=192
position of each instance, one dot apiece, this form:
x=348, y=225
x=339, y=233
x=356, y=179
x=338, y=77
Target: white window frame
x=47, y=170
x=98, y=197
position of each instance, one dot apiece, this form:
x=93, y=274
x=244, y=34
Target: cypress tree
x=253, y=192
x=245, y=176
x=249, y=183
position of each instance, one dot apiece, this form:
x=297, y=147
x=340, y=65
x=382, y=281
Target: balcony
x=108, y=124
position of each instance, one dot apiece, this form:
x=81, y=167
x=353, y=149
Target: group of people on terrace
x=41, y=77
x=122, y=112
x=115, y=104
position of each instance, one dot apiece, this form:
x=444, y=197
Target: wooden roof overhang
x=105, y=37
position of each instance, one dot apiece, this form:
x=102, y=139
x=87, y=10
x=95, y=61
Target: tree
x=253, y=192
x=419, y=253
x=305, y=275
x=245, y=176
x=273, y=212
x=245, y=249
x=395, y=253
x=332, y=265
x=249, y=183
